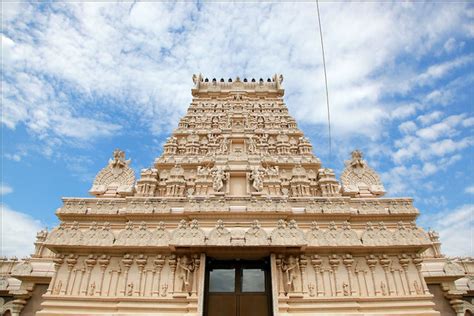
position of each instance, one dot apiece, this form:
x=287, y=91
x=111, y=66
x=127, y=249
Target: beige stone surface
x=238, y=179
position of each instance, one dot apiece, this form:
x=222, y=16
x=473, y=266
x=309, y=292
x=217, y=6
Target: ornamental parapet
x=283, y=233
x=220, y=87
x=224, y=204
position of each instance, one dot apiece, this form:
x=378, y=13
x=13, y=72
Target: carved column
x=348, y=261
x=141, y=262
x=104, y=261
x=172, y=264
x=417, y=260
x=158, y=263
x=90, y=263
x=372, y=262
x=279, y=262
x=404, y=262
x=334, y=263
x=385, y=263
x=303, y=264
x=197, y=262
x=58, y=261
x=316, y=262
x=71, y=261
x=127, y=262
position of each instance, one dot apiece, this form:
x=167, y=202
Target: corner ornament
x=117, y=179
x=359, y=180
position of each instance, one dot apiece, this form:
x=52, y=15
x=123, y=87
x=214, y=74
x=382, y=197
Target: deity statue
x=186, y=273
x=219, y=175
x=251, y=145
x=256, y=176
x=224, y=145
x=289, y=268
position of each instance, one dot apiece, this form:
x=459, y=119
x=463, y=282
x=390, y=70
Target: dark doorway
x=238, y=288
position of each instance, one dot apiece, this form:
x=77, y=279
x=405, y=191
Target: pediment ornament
x=116, y=179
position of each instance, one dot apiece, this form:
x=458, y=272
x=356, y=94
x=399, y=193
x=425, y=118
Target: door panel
x=253, y=305
x=237, y=288
x=222, y=305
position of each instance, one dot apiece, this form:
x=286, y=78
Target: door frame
x=239, y=264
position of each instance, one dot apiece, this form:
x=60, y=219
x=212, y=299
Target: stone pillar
x=58, y=261
x=158, y=263
x=104, y=261
x=348, y=261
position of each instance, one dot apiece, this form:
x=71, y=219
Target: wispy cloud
x=5, y=189
x=18, y=232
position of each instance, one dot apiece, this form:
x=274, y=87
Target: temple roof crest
x=117, y=179
x=359, y=180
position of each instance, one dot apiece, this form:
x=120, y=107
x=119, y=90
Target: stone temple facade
x=237, y=217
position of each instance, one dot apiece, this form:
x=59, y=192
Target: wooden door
x=238, y=288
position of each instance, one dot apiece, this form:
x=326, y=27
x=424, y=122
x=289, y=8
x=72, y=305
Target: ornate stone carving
x=218, y=178
x=134, y=236
x=256, y=176
x=316, y=236
x=255, y=235
x=22, y=269
x=160, y=237
x=185, y=272
x=188, y=234
x=98, y=237
x=219, y=235
x=347, y=237
x=287, y=234
x=290, y=273
x=452, y=268
x=148, y=182
x=359, y=180
x=328, y=185
x=117, y=179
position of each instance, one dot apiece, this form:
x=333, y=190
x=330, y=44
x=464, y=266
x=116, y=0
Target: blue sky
x=80, y=79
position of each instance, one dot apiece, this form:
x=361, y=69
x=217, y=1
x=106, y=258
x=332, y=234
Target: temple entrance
x=238, y=288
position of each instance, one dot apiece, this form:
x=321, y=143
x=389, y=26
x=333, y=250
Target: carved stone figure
x=256, y=235
x=256, y=176
x=117, y=179
x=186, y=270
x=358, y=179
x=219, y=176
x=219, y=235
x=290, y=271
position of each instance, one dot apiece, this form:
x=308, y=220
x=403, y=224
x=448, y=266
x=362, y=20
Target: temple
x=237, y=217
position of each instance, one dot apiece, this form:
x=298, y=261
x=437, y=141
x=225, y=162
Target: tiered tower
x=238, y=188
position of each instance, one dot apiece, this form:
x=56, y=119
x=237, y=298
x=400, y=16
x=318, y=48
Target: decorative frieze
x=285, y=233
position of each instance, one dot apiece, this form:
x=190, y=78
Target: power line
x=325, y=81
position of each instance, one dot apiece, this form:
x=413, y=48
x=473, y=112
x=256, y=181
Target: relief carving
x=117, y=179
x=359, y=180
x=255, y=235
x=188, y=234
x=219, y=235
x=287, y=234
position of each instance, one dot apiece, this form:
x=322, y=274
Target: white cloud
x=18, y=232
x=443, y=128
x=439, y=70
x=142, y=55
x=5, y=189
x=469, y=189
x=455, y=229
x=407, y=127
x=429, y=117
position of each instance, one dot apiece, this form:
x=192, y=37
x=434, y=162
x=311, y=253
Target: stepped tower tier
x=238, y=213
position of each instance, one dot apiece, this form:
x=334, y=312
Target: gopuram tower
x=238, y=217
